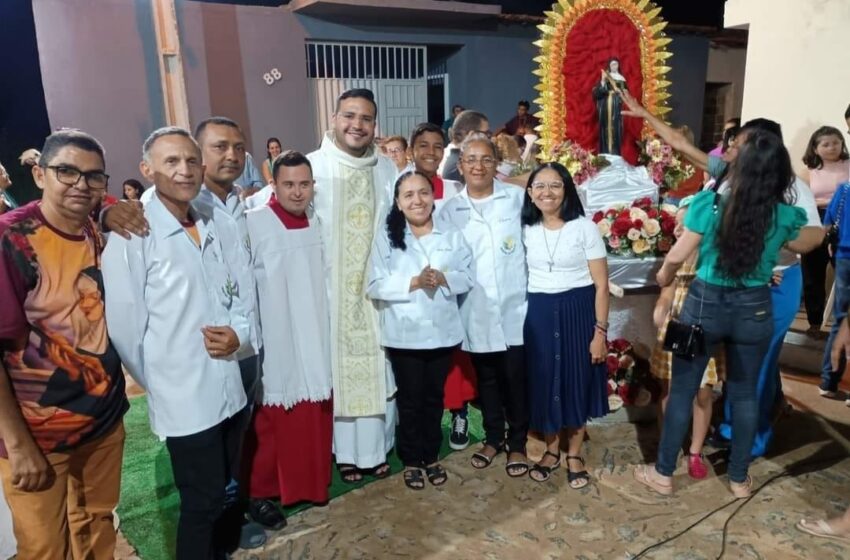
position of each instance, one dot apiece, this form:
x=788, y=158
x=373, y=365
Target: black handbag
x=684, y=340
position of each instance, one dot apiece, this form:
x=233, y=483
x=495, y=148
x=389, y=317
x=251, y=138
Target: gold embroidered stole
x=358, y=364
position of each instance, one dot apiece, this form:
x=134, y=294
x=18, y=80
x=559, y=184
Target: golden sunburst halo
x=560, y=20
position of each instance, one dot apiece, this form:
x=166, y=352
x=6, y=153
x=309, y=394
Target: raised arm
x=667, y=133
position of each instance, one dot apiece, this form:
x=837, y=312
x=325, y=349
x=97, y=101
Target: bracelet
x=601, y=330
x=603, y=324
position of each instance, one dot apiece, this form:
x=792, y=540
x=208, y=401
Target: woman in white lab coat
x=488, y=212
x=416, y=272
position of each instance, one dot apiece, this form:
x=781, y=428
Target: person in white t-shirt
x=567, y=319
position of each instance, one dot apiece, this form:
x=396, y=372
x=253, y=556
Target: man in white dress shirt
x=180, y=320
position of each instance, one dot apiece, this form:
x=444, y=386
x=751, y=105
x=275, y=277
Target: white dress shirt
x=493, y=312
x=420, y=320
x=237, y=254
x=160, y=291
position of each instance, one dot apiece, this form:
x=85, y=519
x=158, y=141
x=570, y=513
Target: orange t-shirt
x=65, y=374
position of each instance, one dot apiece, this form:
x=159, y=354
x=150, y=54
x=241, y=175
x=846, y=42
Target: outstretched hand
x=634, y=109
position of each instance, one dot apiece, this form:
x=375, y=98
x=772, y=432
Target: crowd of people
x=330, y=307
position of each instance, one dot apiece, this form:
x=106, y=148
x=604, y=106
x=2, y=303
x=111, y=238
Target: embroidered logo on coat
x=509, y=245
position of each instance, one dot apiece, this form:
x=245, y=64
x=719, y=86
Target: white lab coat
x=159, y=292
x=493, y=312
x=420, y=320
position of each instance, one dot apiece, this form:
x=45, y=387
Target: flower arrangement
x=637, y=230
x=665, y=167
x=629, y=381
x=582, y=164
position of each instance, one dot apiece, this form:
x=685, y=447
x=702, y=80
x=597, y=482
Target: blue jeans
x=786, y=302
x=829, y=379
x=742, y=320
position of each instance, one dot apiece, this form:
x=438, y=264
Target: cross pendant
x=550, y=266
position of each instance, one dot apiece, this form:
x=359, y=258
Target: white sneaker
x=827, y=394
x=847, y=401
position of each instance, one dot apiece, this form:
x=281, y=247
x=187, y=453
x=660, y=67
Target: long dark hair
x=571, y=207
x=269, y=141
x=760, y=180
x=396, y=222
x=811, y=158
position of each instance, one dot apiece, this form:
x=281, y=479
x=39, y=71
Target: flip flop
x=820, y=528
x=642, y=475
x=349, y=474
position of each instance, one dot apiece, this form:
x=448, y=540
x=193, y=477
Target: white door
x=402, y=104
x=396, y=75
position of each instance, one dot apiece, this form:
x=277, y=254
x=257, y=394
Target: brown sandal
x=642, y=475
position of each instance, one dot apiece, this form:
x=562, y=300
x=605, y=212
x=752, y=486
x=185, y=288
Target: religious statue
x=608, y=106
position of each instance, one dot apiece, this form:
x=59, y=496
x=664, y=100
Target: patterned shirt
x=65, y=374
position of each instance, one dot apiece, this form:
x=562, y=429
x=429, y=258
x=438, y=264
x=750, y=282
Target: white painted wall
x=798, y=64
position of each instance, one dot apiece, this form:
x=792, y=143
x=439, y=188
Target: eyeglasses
x=555, y=186
x=395, y=151
x=67, y=175
x=485, y=161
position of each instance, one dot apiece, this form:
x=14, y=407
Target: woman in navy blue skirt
x=567, y=320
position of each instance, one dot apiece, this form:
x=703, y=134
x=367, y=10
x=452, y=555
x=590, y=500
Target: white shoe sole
x=462, y=446
x=827, y=394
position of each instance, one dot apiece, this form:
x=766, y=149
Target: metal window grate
x=365, y=61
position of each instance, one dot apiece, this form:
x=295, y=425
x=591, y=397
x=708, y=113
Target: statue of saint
x=608, y=106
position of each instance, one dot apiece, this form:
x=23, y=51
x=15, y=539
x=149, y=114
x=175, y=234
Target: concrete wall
x=687, y=92
x=797, y=64
x=728, y=66
x=99, y=62
x=100, y=74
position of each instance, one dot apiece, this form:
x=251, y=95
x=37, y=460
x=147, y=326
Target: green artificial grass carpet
x=149, y=501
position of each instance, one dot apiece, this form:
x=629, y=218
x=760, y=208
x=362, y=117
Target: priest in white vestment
x=352, y=195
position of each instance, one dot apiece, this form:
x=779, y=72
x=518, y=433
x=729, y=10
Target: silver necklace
x=551, y=253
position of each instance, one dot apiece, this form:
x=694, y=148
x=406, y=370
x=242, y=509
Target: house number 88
x=272, y=76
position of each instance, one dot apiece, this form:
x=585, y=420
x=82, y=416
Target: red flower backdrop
x=576, y=40
x=596, y=37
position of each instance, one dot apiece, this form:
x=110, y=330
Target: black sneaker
x=267, y=514
x=459, y=438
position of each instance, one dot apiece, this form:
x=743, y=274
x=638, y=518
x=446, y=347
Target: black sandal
x=436, y=474
x=485, y=459
x=381, y=471
x=512, y=465
x=349, y=474
x=544, y=471
x=577, y=476
x=413, y=479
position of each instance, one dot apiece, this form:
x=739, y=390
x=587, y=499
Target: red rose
x=664, y=245
x=597, y=217
x=637, y=224
x=652, y=213
x=611, y=213
x=621, y=226
x=668, y=226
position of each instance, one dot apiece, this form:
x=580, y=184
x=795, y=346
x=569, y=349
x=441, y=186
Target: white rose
x=638, y=214
x=604, y=228
x=640, y=246
x=634, y=234
x=651, y=228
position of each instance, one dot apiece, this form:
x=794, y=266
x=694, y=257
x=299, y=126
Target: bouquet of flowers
x=629, y=381
x=640, y=229
x=582, y=164
x=664, y=165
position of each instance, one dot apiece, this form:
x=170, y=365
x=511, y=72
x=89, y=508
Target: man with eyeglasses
x=62, y=394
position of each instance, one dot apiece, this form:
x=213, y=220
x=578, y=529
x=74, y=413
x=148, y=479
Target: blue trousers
x=829, y=379
x=741, y=320
x=786, y=302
